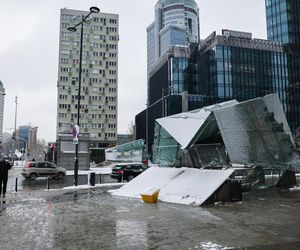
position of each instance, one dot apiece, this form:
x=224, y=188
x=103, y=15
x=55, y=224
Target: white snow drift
x=177, y=185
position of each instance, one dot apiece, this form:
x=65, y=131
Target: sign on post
x=75, y=133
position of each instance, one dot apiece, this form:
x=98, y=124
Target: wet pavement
x=93, y=219
x=41, y=183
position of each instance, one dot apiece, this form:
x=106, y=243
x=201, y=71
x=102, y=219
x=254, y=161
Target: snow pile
x=295, y=188
x=177, y=185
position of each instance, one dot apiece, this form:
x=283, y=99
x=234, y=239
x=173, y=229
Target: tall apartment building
x=176, y=23
x=99, y=84
x=2, y=94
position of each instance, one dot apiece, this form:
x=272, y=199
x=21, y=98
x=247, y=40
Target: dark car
x=127, y=171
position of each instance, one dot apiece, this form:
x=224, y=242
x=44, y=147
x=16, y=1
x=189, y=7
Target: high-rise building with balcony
x=176, y=23
x=99, y=79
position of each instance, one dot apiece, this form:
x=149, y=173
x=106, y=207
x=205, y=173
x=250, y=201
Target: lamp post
x=2, y=92
x=74, y=29
x=15, y=126
x=16, y=110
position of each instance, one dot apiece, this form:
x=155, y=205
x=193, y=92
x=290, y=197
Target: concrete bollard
x=92, y=179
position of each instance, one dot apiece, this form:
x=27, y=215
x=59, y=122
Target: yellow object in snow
x=150, y=198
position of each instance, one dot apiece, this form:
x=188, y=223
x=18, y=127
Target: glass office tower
x=283, y=20
x=242, y=69
x=235, y=66
x=176, y=23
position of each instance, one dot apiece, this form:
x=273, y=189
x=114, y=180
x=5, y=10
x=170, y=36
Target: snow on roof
x=176, y=185
x=184, y=126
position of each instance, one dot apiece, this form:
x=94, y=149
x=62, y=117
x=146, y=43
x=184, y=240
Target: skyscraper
x=283, y=20
x=99, y=82
x=176, y=23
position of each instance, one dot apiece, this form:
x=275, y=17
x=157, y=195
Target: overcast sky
x=29, y=52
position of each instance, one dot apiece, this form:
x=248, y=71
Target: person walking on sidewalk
x=4, y=167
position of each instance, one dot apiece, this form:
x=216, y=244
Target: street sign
x=75, y=133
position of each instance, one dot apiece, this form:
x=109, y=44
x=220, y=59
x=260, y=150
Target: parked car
x=35, y=169
x=127, y=171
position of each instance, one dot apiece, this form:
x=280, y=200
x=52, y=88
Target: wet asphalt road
x=40, y=183
x=93, y=219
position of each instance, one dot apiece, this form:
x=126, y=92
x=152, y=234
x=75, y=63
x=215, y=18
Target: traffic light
x=13, y=135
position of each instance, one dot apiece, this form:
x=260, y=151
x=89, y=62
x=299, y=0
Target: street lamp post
x=73, y=29
x=16, y=110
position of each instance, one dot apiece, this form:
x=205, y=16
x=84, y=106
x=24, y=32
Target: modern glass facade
x=283, y=20
x=242, y=74
x=171, y=35
x=150, y=46
x=293, y=91
x=235, y=68
x=277, y=20
x=177, y=73
x=176, y=23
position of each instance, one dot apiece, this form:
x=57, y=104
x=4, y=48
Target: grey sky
x=29, y=51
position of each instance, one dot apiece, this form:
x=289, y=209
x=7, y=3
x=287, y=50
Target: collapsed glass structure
x=127, y=152
x=253, y=137
x=252, y=133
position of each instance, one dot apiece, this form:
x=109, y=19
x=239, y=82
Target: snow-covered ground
x=176, y=185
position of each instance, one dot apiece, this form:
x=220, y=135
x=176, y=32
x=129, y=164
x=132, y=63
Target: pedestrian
x=4, y=167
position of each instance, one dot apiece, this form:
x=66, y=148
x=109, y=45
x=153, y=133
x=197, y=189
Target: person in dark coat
x=4, y=167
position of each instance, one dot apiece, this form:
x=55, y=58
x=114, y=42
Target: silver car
x=35, y=169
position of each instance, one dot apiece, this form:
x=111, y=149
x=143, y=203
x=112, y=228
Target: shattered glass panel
x=256, y=132
x=165, y=148
x=208, y=156
x=132, y=151
x=134, y=145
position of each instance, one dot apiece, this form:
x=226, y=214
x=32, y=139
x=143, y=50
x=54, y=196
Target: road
x=41, y=183
x=93, y=219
